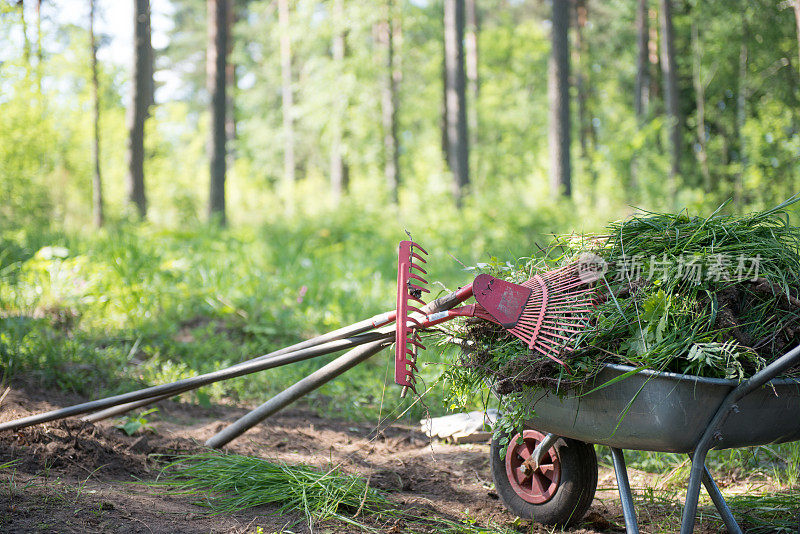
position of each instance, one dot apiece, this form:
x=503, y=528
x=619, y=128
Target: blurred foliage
x=98, y=312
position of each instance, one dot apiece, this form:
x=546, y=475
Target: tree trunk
x=26, y=44
x=97, y=182
x=445, y=112
x=338, y=173
x=670, y=76
x=641, y=93
x=456, y=119
x=580, y=55
x=653, y=56
x=700, y=105
x=230, y=86
x=389, y=105
x=471, y=64
x=141, y=96
x=216, y=73
x=471, y=46
x=741, y=118
x=287, y=103
x=558, y=98
x=641, y=96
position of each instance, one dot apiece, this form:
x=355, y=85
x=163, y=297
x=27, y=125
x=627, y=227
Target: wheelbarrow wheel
x=558, y=492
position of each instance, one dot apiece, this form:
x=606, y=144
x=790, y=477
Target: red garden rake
x=545, y=312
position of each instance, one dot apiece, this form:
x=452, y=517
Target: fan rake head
x=546, y=311
x=409, y=288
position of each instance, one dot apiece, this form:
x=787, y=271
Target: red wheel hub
x=537, y=485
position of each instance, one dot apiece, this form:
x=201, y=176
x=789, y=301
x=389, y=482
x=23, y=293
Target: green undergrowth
x=778, y=463
x=105, y=312
x=761, y=510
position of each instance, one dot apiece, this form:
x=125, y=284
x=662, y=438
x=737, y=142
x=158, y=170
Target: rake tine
x=417, y=267
x=418, y=257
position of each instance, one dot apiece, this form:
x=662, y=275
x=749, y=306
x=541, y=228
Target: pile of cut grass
x=712, y=297
x=232, y=482
x=227, y=483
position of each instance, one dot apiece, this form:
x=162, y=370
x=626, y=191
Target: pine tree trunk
x=456, y=120
x=580, y=55
x=670, y=76
x=287, y=104
x=471, y=46
x=389, y=105
x=230, y=87
x=654, y=56
x=338, y=185
x=471, y=63
x=700, y=105
x=558, y=97
x=97, y=181
x=641, y=96
x=141, y=96
x=445, y=112
x=216, y=60
x=641, y=93
x=741, y=118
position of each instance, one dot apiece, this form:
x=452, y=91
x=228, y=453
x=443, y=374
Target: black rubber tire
x=575, y=490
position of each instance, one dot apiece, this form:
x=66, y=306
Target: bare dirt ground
x=71, y=476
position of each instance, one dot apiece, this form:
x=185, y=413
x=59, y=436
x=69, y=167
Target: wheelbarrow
x=549, y=472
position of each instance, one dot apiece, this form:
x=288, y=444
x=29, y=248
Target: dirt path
x=78, y=477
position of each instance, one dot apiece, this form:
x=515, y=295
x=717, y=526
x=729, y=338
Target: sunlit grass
x=228, y=483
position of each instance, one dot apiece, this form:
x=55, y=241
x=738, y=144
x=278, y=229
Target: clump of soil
x=78, y=448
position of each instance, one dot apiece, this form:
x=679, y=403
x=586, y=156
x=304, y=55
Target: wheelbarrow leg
x=719, y=502
x=712, y=432
x=693, y=490
x=628, y=511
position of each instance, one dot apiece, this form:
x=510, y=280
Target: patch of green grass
x=132, y=424
x=759, y=511
x=230, y=482
x=767, y=511
x=779, y=463
x=227, y=483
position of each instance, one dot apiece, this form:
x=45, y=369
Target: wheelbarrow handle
x=788, y=360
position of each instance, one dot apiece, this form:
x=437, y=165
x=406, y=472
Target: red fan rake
x=556, y=309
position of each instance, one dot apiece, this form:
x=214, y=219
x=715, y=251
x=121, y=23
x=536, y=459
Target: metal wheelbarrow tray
x=549, y=472
x=668, y=412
